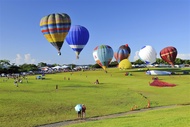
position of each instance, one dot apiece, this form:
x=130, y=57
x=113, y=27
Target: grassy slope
x=38, y=102
x=178, y=116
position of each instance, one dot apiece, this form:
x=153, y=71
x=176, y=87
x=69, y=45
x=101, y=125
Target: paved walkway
x=75, y=121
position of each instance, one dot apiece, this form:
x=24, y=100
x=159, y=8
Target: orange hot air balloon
x=169, y=54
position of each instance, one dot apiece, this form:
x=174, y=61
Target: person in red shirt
x=83, y=111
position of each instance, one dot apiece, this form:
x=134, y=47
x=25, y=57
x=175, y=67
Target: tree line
x=7, y=67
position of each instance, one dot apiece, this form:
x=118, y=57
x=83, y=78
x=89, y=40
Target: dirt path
x=75, y=121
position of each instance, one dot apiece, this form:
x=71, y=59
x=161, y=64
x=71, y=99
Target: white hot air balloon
x=148, y=54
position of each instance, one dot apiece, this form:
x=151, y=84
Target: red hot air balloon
x=169, y=54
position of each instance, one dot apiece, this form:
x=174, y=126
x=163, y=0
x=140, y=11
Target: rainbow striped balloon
x=55, y=28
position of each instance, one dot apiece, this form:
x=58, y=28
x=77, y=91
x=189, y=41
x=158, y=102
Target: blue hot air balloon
x=103, y=55
x=77, y=38
x=122, y=53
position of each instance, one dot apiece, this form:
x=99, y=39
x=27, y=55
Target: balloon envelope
x=78, y=107
x=148, y=54
x=128, y=48
x=169, y=54
x=77, y=38
x=122, y=53
x=103, y=55
x=55, y=28
x=125, y=64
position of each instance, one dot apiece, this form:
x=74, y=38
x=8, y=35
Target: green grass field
x=39, y=102
x=172, y=117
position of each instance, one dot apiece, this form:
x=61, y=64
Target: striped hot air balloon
x=55, y=28
x=103, y=55
x=122, y=53
x=77, y=38
x=169, y=54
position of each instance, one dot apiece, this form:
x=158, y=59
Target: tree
x=4, y=63
x=53, y=65
x=28, y=67
x=3, y=70
x=14, y=69
x=179, y=61
x=139, y=61
x=113, y=64
x=186, y=61
x=41, y=64
x=159, y=61
x=96, y=66
x=72, y=66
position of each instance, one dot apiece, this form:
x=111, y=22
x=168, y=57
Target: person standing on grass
x=79, y=114
x=78, y=109
x=83, y=111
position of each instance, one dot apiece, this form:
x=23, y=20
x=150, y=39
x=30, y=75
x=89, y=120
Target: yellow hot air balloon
x=55, y=28
x=125, y=64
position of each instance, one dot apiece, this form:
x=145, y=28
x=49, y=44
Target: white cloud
x=18, y=59
x=184, y=56
x=136, y=57
x=26, y=59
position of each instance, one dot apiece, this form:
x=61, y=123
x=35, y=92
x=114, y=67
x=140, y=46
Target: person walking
x=83, y=111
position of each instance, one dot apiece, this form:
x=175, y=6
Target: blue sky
x=159, y=23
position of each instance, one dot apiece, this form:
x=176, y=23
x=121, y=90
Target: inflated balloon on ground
x=148, y=54
x=122, y=53
x=103, y=55
x=125, y=64
x=169, y=54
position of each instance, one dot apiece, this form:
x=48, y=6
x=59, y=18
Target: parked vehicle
x=40, y=77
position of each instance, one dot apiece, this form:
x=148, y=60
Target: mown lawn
x=39, y=102
x=178, y=116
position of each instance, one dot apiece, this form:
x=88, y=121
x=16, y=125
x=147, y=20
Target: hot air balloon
x=122, y=53
x=55, y=28
x=103, y=55
x=77, y=38
x=125, y=64
x=148, y=54
x=169, y=54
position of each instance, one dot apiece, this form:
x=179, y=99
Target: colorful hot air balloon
x=77, y=38
x=128, y=48
x=122, y=53
x=125, y=64
x=55, y=28
x=169, y=54
x=148, y=54
x=103, y=55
